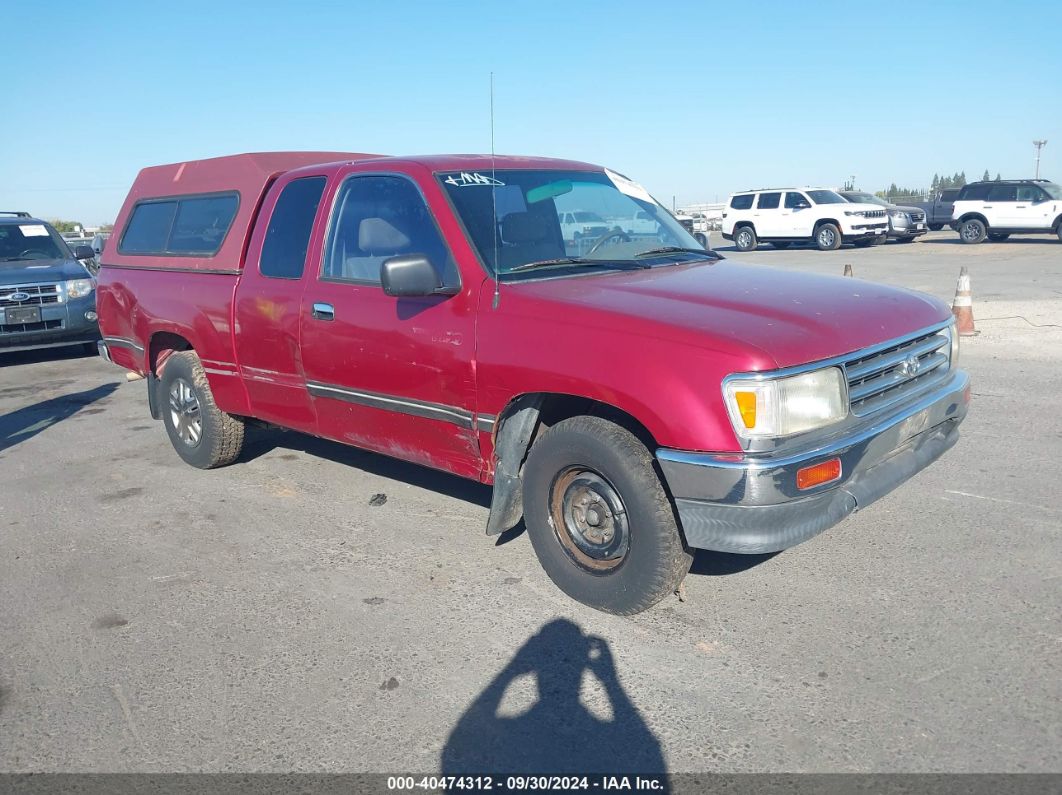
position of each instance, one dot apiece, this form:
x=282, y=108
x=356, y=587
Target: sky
x=692, y=99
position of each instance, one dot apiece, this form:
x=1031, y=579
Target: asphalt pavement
x=280, y=614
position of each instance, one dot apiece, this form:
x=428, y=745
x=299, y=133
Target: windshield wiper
x=655, y=252
x=545, y=263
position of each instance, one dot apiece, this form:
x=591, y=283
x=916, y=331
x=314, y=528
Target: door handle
x=1019, y=207
x=324, y=311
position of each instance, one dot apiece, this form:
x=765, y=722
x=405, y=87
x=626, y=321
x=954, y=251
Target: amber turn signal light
x=817, y=474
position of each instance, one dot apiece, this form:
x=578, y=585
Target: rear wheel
x=598, y=517
x=202, y=434
x=745, y=239
x=972, y=230
x=828, y=237
x=935, y=227
x=998, y=237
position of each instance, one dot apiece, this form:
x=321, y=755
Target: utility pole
x=1039, y=145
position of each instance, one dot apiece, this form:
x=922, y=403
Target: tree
x=997, y=176
x=986, y=177
x=66, y=227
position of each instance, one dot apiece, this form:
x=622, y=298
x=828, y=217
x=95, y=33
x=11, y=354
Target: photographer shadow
x=557, y=734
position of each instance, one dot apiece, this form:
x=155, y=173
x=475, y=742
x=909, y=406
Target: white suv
x=781, y=216
x=997, y=210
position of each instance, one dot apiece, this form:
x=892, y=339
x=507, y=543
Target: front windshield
x=825, y=197
x=1053, y=190
x=863, y=198
x=519, y=217
x=31, y=240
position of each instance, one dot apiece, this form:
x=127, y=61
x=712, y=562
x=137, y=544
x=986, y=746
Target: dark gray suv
x=905, y=223
x=47, y=297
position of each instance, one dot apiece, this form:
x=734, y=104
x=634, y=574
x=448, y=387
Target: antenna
x=494, y=200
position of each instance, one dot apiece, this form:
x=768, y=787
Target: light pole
x=1039, y=145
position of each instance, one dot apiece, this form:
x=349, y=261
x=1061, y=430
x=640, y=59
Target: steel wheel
x=590, y=519
x=184, y=412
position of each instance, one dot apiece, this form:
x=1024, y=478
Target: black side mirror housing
x=410, y=275
x=84, y=252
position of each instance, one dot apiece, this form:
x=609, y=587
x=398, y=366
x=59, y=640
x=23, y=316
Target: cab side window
x=795, y=200
x=290, y=225
x=377, y=218
x=768, y=201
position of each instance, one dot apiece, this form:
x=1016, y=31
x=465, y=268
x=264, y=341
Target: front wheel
x=201, y=433
x=828, y=237
x=745, y=239
x=598, y=518
x=972, y=231
x=935, y=227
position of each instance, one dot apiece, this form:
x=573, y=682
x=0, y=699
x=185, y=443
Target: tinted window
x=973, y=193
x=148, y=228
x=794, y=200
x=826, y=197
x=201, y=224
x=378, y=218
x=288, y=235
x=948, y=195
x=768, y=201
x=195, y=224
x=1003, y=193
x=1030, y=193
x=743, y=202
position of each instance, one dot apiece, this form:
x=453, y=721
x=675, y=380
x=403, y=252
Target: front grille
x=874, y=214
x=22, y=328
x=918, y=216
x=883, y=378
x=38, y=294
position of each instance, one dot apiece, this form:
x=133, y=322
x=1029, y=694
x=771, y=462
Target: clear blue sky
x=693, y=99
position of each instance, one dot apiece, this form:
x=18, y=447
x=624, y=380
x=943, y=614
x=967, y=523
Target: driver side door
x=796, y=214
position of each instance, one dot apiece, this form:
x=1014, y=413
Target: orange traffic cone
x=962, y=306
x=848, y=270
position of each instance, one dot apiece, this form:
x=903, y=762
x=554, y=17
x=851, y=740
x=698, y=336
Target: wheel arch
x=520, y=424
x=973, y=216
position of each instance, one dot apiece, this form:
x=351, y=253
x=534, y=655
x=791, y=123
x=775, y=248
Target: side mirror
x=84, y=252
x=409, y=275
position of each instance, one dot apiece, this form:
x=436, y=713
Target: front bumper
x=750, y=504
x=60, y=324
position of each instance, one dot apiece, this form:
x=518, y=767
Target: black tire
x=866, y=242
x=935, y=227
x=701, y=239
x=972, y=231
x=90, y=348
x=1058, y=232
x=590, y=457
x=998, y=237
x=828, y=237
x=185, y=397
x=781, y=245
x=745, y=238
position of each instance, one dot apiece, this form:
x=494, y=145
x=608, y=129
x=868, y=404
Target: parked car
x=938, y=211
x=631, y=404
x=800, y=215
x=47, y=297
x=997, y=210
x=99, y=242
x=905, y=223
x=580, y=224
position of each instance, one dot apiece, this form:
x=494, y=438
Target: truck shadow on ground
x=556, y=734
x=955, y=241
x=25, y=423
x=261, y=441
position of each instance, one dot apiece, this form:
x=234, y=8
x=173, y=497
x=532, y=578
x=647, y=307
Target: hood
x=791, y=318
x=29, y=271
x=908, y=209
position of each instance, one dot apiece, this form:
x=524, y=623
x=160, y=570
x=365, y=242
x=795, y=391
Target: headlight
x=776, y=407
x=853, y=212
x=78, y=288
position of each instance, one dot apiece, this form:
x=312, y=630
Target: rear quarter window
x=742, y=202
x=180, y=226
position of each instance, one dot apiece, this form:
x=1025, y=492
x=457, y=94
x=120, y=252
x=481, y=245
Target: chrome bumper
x=750, y=503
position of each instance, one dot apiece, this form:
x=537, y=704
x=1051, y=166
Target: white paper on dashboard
x=629, y=187
x=33, y=230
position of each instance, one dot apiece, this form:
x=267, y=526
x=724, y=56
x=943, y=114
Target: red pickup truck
x=631, y=395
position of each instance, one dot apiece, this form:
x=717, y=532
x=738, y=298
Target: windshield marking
x=466, y=178
x=629, y=187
